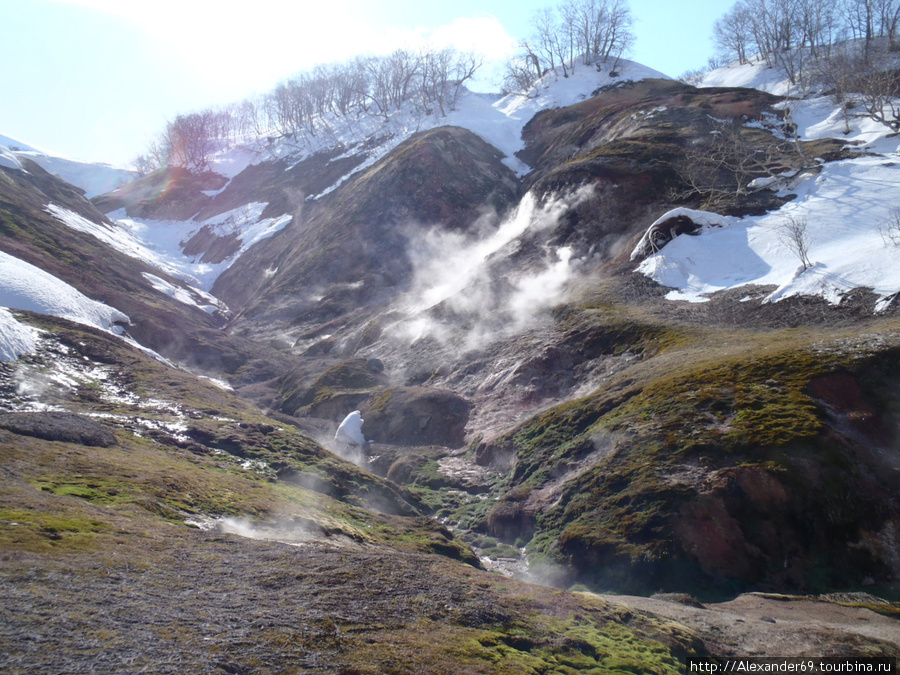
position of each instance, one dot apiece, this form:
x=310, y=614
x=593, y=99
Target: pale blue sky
x=97, y=79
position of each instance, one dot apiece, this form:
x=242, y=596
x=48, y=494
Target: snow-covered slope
x=24, y=286
x=94, y=178
x=159, y=242
x=845, y=209
x=498, y=120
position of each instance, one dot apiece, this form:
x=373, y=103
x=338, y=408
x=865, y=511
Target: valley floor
x=198, y=601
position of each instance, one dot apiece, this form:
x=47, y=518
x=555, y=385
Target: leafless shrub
x=890, y=227
x=727, y=160
x=793, y=233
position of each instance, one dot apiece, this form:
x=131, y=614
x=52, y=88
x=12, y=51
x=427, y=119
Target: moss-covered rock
x=417, y=416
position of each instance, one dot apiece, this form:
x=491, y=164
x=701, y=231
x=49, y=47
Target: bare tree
x=546, y=37
x=731, y=157
x=879, y=92
x=733, y=33
x=837, y=73
x=889, y=22
x=465, y=66
x=522, y=70
x=143, y=164
x=889, y=228
x=793, y=233
x=859, y=17
x=189, y=139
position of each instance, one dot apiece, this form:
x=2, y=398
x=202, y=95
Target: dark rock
x=331, y=261
x=416, y=416
x=510, y=519
x=172, y=193
x=58, y=426
x=681, y=598
x=333, y=394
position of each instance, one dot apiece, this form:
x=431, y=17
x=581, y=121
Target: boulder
x=58, y=426
x=417, y=416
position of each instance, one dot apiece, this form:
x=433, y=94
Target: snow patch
x=16, y=338
x=24, y=286
x=350, y=430
x=703, y=218
x=193, y=297
x=160, y=243
x=93, y=177
x=8, y=159
x=843, y=207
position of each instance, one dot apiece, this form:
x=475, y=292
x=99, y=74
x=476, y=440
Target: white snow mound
x=24, y=286
x=16, y=338
x=350, y=430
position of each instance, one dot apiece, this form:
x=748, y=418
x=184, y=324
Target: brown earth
x=756, y=624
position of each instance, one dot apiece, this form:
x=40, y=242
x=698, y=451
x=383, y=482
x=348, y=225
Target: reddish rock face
x=173, y=193
x=843, y=397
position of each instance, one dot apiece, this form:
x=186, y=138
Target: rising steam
x=456, y=276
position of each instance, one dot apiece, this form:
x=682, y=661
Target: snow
x=16, y=338
x=193, y=297
x=159, y=242
x=497, y=119
x=703, y=218
x=8, y=159
x=18, y=146
x=24, y=286
x=92, y=177
x=502, y=123
x=753, y=75
x=843, y=206
x=350, y=430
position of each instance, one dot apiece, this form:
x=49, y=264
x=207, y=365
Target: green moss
x=39, y=531
x=380, y=402
x=566, y=646
x=98, y=491
x=704, y=408
x=348, y=378
x=501, y=551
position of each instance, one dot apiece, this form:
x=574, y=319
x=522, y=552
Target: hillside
x=93, y=178
x=585, y=357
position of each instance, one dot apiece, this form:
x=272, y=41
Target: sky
x=96, y=80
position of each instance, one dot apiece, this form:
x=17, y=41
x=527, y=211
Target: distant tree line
x=849, y=48
x=591, y=32
x=792, y=33
x=429, y=80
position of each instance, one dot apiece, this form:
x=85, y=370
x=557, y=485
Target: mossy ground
x=213, y=603
x=623, y=463
x=99, y=562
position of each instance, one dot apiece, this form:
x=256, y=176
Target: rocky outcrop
x=333, y=394
x=417, y=416
x=772, y=473
x=181, y=332
x=172, y=193
x=58, y=426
